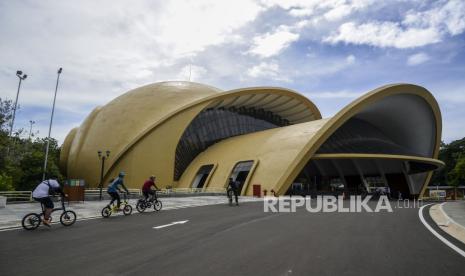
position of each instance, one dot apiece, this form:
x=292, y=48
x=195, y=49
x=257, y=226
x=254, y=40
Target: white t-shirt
x=42, y=190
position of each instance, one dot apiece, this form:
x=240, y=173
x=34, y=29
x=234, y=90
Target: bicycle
x=110, y=209
x=32, y=220
x=143, y=203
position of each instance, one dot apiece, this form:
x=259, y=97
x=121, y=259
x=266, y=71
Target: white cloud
x=267, y=70
x=106, y=50
x=418, y=28
x=331, y=10
x=271, y=44
x=417, y=59
x=449, y=16
x=190, y=26
x=383, y=34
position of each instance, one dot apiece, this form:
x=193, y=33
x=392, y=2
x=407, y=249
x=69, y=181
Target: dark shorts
x=146, y=193
x=46, y=201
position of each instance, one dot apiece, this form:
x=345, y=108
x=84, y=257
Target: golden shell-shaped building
x=268, y=139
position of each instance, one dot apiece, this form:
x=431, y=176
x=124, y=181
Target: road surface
x=224, y=240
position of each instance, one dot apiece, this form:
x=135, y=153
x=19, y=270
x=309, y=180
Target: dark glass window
x=202, y=175
x=213, y=125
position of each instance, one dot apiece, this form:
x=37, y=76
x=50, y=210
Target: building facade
x=268, y=139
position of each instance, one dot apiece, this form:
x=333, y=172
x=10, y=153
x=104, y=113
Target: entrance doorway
x=240, y=173
x=398, y=185
x=202, y=175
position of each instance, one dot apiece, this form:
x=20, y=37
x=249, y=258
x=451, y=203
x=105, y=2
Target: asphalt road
x=223, y=240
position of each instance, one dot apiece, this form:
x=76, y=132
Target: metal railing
x=17, y=196
x=96, y=191
x=212, y=190
x=26, y=196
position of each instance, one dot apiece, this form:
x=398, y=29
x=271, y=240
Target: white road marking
x=441, y=238
x=170, y=224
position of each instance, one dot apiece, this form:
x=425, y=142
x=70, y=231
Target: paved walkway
x=450, y=217
x=10, y=217
x=455, y=211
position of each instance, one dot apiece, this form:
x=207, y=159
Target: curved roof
x=405, y=112
x=399, y=120
x=124, y=118
x=121, y=123
x=286, y=103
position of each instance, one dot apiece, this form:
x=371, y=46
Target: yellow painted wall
x=273, y=148
x=154, y=154
x=123, y=121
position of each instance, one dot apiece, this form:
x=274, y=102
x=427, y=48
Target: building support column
x=381, y=172
x=341, y=174
x=408, y=178
x=360, y=172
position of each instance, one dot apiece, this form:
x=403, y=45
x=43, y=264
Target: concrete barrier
x=2, y=202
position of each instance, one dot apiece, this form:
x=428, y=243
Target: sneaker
x=47, y=223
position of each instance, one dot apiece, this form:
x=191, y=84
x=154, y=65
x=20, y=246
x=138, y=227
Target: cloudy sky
x=331, y=51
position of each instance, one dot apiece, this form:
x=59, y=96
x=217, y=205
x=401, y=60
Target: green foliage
x=452, y=155
x=457, y=175
x=6, y=183
x=21, y=159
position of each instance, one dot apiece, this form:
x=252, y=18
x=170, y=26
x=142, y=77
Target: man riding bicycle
x=114, y=188
x=41, y=194
x=147, y=188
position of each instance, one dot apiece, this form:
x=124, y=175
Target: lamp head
x=24, y=77
x=19, y=73
x=99, y=153
x=59, y=70
x=108, y=153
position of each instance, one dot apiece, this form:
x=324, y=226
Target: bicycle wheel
x=157, y=205
x=31, y=221
x=141, y=206
x=106, y=212
x=127, y=210
x=68, y=218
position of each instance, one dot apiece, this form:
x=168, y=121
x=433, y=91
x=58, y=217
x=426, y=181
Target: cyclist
x=232, y=187
x=114, y=188
x=146, y=188
x=42, y=194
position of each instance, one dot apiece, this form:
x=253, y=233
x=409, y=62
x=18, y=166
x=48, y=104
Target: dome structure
x=266, y=138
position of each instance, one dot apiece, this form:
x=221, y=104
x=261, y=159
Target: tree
x=6, y=183
x=6, y=108
x=457, y=175
x=21, y=169
x=449, y=154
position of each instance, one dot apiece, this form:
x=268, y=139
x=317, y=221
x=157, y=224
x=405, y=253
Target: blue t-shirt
x=113, y=187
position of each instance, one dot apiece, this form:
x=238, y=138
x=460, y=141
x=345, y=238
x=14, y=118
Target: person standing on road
x=232, y=188
x=42, y=194
x=113, y=189
x=147, y=188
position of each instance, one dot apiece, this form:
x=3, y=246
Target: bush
x=6, y=183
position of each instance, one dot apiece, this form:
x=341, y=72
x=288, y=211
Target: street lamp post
x=102, y=157
x=50, y=126
x=21, y=77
